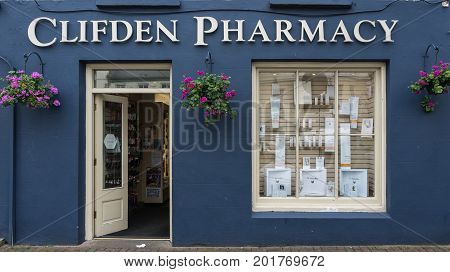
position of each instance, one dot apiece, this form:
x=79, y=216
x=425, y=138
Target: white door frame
x=90, y=92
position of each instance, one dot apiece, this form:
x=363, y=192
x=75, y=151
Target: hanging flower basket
x=209, y=92
x=434, y=83
x=31, y=90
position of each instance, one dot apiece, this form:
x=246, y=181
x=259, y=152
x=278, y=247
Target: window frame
x=325, y=204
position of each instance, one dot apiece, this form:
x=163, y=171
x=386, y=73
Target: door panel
x=111, y=169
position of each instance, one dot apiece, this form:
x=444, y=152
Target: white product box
x=278, y=179
x=280, y=151
x=353, y=182
x=304, y=93
x=313, y=182
x=346, y=154
x=275, y=89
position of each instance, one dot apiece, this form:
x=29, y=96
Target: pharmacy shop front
x=236, y=123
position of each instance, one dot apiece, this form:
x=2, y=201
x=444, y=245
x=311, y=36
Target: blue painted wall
x=212, y=190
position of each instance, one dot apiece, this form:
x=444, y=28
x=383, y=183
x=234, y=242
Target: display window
x=319, y=137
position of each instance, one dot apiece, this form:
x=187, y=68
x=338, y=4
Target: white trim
x=325, y=204
x=90, y=91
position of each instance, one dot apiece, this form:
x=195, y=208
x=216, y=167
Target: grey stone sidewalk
x=164, y=246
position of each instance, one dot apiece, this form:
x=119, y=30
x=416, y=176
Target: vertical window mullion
x=297, y=170
x=336, y=134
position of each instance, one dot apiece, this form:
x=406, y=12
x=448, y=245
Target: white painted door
x=111, y=164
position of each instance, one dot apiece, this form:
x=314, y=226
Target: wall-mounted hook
x=209, y=62
x=436, y=52
x=28, y=55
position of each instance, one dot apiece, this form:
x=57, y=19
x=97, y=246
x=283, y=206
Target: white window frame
x=325, y=204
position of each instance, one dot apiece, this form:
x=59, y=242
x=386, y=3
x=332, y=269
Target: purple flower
x=418, y=92
x=230, y=94
x=206, y=113
x=14, y=84
x=422, y=74
x=56, y=103
x=422, y=82
x=190, y=85
x=203, y=99
x=200, y=73
x=54, y=90
x=21, y=72
x=187, y=79
x=434, y=67
x=437, y=72
x=224, y=77
x=36, y=75
x=431, y=104
x=46, y=97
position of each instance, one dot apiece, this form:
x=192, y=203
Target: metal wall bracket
x=28, y=55
x=209, y=62
x=436, y=53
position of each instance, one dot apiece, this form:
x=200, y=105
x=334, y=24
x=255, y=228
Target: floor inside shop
x=149, y=221
x=148, y=167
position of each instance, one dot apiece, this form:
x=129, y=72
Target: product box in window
x=278, y=182
x=313, y=182
x=353, y=182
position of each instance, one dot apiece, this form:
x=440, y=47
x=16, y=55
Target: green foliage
x=209, y=92
x=434, y=83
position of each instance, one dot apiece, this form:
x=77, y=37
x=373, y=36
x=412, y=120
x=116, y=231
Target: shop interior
x=148, y=167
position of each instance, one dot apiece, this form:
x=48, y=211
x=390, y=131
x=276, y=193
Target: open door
x=111, y=164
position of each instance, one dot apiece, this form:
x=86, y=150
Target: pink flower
x=224, y=77
x=46, y=97
x=206, y=113
x=203, y=99
x=190, y=85
x=422, y=74
x=14, y=84
x=54, y=90
x=56, y=103
x=431, y=104
x=434, y=67
x=437, y=72
x=187, y=79
x=36, y=75
x=200, y=73
x=21, y=72
x=422, y=82
x=184, y=94
x=230, y=94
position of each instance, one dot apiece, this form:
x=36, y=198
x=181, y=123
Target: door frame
x=90, y=129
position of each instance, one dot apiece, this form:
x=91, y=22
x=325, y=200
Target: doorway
x=131, y=152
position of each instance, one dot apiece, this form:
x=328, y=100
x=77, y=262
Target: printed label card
x=329, y=134
x=346, y=158
x=320, y=162
x=367, y=128
x=306, y=163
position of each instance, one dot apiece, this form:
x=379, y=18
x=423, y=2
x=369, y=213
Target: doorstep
x=115, y=245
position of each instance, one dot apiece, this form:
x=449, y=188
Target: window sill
x=321, y=215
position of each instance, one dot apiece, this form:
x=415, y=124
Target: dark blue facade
x=212, y=198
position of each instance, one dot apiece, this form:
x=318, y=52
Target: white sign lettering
x=146, y=31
